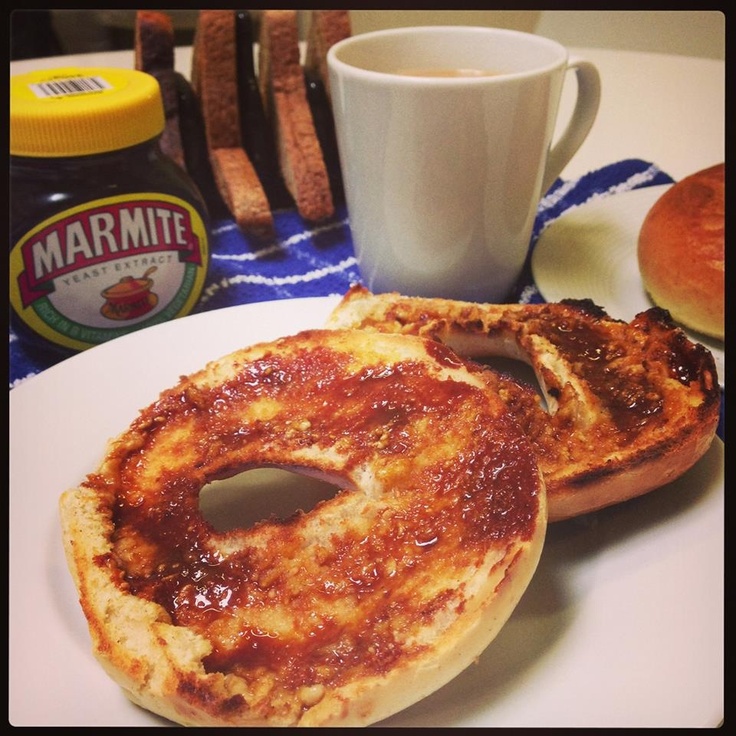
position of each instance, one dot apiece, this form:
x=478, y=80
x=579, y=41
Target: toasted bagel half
x=343, y=614
x=628, y=407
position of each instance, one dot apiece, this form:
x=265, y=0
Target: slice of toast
x=236, y=180
x=255, y=130
x=281, y=81
x=154, y=41
x=183, y=136
x=326, y=28
x=196, y=156
x=215, y=82
x=154, y=54
x=629, y=406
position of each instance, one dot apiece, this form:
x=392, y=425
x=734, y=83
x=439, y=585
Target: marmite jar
x=108, y=235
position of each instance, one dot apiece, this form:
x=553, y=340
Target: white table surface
x=663, y=108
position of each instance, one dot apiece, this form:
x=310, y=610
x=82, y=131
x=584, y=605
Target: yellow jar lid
x=79, y=111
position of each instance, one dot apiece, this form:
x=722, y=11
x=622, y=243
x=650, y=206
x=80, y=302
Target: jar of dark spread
x=108, y=235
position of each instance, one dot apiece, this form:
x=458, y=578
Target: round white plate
x=622, y=624
x=590, y=253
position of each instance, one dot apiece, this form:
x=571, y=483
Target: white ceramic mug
x=443, y=174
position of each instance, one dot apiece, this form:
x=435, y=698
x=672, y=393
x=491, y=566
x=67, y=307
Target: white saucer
x=590, y=253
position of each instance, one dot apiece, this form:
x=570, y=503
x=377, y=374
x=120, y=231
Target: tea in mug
x=419, y=72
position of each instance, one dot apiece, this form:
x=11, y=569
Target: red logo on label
x=102, y=234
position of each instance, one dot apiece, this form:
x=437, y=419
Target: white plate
x=590, y=252
x=622, y=624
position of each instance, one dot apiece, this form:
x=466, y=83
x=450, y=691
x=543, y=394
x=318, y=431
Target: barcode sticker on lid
x=70, y=86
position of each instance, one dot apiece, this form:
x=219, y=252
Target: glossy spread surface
x=437, y=484
x=619, y=395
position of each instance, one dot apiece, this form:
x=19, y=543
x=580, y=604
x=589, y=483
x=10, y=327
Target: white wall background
x=686, y=32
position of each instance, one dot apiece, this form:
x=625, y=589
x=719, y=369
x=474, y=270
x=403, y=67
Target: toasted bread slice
x=283, y=90
x=183, y=136
x=215, y=82
x=154, y=54
x=255, y=129
x=196, y=156
x=338, y=616
x=629, y=406
x=239, y=186
x=154, y=41
x=326, y=28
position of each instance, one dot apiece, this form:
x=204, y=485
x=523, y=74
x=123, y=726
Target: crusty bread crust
x=281, y=81
x=239, y=186
x=215, y=82
x=681, y=251
x=339, y=616
x=629, y=406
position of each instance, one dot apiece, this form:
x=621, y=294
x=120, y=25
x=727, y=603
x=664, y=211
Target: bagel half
x=341, y=615
x=628, y=407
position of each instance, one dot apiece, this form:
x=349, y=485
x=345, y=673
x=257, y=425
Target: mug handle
x=583, y=115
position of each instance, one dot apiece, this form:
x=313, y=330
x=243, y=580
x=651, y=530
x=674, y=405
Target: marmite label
x=100, y=270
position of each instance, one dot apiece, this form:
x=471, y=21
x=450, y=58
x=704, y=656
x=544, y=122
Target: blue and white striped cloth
x=320, y=261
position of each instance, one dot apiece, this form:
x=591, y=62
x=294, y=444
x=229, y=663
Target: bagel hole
x=518, y=370
x=258, y=494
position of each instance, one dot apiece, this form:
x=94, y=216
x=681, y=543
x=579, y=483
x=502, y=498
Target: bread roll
x=681, y=251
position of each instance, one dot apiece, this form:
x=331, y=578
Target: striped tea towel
x=319, y=260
